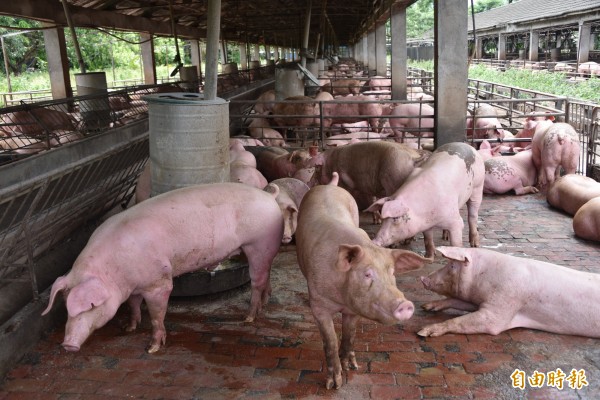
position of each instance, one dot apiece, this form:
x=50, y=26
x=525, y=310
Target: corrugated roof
x=524, y=11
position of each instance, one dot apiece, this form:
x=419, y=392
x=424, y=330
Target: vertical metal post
x=304, y=50
x=212, y=48
x=74, y=36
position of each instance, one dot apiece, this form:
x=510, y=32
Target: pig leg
x=520, y=189
x=330, y=345
x=157, y=301
x=473, y=205
x=429, y=245
x=347, y=356
x=259, y=261
x=481, y=321
x=135, y=304
x=439, y=305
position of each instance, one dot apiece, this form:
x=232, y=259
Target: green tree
x=485, y=5
x=25, y=49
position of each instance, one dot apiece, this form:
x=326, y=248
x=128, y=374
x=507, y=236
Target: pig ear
x=273, y=189
x=455, y=253
x=406, y=260
x=550, y=118
x=393, y=208
x=59, y=285
x=485, y=145
x=347, y=254
x=85, y=296
x=377, y=205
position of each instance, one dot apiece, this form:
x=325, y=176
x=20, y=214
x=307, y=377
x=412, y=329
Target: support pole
x=213, y=18
x=75, y=41
x=304, y=49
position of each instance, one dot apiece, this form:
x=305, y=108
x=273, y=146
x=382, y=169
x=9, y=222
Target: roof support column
x=478, y=48
x=380, y=50
x=450, y=71
x=584, y=43
x=304, y=49
x=365, y=50
x=256, y=52
x=196, y=57
x=58, y=63
x=372, y=62
x=267, y=53
x=148, y=61
x=243, y=56
x=501, y=46
x=534, y=44
x=399, y=53
x=213, y=19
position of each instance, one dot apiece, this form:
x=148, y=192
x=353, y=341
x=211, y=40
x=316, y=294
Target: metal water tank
x=95, y=110
x=289, y=81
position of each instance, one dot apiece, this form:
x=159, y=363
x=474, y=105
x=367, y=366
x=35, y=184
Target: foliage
x=485, y=5
x=419, y=19
x=24, y=46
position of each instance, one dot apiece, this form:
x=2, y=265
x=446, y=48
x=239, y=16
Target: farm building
x=73, y=167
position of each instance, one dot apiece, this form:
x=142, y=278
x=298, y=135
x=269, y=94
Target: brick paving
x=211, y=354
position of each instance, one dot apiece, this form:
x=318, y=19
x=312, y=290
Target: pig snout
x=70, y=346
x=287, y=238
x=404, y=310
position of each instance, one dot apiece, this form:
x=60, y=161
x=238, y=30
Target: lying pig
x=506, y=173
x=135, y=254
x=586, y=222
x=276, y=162
x=346, y=273
x=432, y=196
x=484, y=124
x=345, y=138
x=288, y=193
x=553, y=148
x=570, y=192
x=504, y=292
x=38, y=121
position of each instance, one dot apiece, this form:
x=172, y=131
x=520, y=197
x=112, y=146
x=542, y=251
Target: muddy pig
x=347, y=273
x=288, y=194
x=570, y=192
x=276, y=162
x=504, y=292
x=506, y=173
x=553, y=148
x=135, y=255
x=432, y=197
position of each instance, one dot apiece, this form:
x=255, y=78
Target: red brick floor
x=210, y=354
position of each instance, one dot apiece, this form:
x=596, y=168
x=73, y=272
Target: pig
x=347, y=273
x=257, y=125
x=143, y=185
x=136, y=253
x=245, y=141
x=374, y=168
x=529, y=127
x=277, y=162
x=417, y=119
x=484, y=124
x=299, y=113
x=505, y=173
x=346, y=138
x=265, y=102
x=431, y=197
x=288, y=194
x=352, y=109
x=586, y=222
x=324, y=96
x=37, y=121
x=344, y=87
x=378, y=83
x=553, y=148
x=242, y=167
x=570, y=192
x=589, y=68
x=502, y=292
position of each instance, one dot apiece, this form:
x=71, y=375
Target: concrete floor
x=211, y=354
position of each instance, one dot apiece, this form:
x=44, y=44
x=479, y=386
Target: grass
x=541, y=81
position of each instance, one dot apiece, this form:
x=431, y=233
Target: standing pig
x=505, y=292
x=432, y=197
x=416, y=119
x=265, y=102
x=298, y=113
x=352, y=109
x=288, y=193
x=586, y=222
x=484, y=124
x=505, y=173
x=529, y=127
x=135, y=254
x=553, y=148
x=346, y=273
x=570, y=192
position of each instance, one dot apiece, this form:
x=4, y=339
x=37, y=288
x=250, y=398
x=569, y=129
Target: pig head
x=346, y=273
x=502, y=292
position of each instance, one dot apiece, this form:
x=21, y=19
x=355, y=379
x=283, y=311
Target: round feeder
x=228, y=275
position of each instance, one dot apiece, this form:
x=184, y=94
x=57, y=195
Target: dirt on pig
x=212, y=354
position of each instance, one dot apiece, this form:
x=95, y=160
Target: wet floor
x=212, y=354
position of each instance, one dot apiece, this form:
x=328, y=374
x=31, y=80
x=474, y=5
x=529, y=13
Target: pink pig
x=242, y=167
x=347, y=273
x=432, y=197
x=570, y=192
x=586, y=222
x=288, y=193
x=484, y=124
x=413, y=118
x=505, y=173
x=135, y=254
x=553, y=148
x=504, y=292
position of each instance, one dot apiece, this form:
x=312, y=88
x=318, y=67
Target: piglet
x=135, y=254
x=347, y=273
x=504, y=292
x=288, y=193
x=432, y=196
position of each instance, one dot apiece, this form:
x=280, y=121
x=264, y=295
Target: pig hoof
x=153, y=348
x=249, y=319
x=423, y=332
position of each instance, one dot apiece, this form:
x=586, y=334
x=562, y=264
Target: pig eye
x=396, y=219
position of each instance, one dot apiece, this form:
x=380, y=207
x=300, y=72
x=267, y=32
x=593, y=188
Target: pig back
x=570, y=192
x=295, y=188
